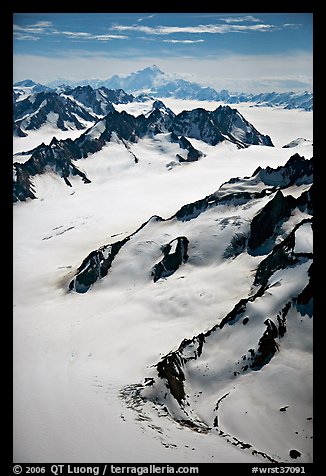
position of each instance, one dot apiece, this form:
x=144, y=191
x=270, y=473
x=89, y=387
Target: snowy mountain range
x=155, y=83
x=223, y=124
x=162, y=277
x=49, y=107
x=158, y=84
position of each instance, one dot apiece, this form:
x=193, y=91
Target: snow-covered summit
x=296, y=142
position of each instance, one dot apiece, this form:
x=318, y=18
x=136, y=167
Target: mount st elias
x=162, y=289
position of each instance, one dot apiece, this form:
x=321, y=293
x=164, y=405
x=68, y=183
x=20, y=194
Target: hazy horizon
x=239, y=52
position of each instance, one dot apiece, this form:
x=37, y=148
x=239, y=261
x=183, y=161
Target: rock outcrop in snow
x=175, y=253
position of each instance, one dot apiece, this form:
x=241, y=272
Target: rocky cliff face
x=57, y=156
x=48, y=107
x=213, y=127
x=174, y=254
x=100, y=100
x=264, y=223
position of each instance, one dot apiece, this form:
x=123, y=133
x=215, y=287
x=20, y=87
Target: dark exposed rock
x=305, y=201
x=192, y=155
x=230, y=121
x=263, y=224
x=281, y=319
x=294, y=454
x=159, y=120
x=280, y=207
x=215, y=421
x=297, y=170
x=282, y=256
x=32, y=112
x=267, y=346
x=236, y=313
x=100, y=100
x=283, y=409
x=216, y=126
x=57, y=156
x=95, y=266
x=17, y=131
x=198, y=125
x=170, y=369
x=237, y=246
x=157, y=104
x=22, y=185
x=304, y=301
x=171, y=261
x=193, y=210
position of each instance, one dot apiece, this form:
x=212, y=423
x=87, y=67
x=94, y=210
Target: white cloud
x=38, y=27
x=44, y=24
x=81, y=35
x=291, y=25
x=45, y=27
x=183, y=41
x=222, y=29
x=240, y=19
x=148, y=16
x=21, y=36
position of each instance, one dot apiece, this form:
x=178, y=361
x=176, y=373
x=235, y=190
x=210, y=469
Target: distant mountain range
x=156, y=83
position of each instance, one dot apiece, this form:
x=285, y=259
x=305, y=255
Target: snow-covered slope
x=246, y=224
x=84, y=361
x=296, y=142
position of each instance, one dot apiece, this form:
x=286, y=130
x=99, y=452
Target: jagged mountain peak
x=152, y=69
x=49, y=107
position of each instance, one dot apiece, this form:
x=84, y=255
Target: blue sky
x=248, y=52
